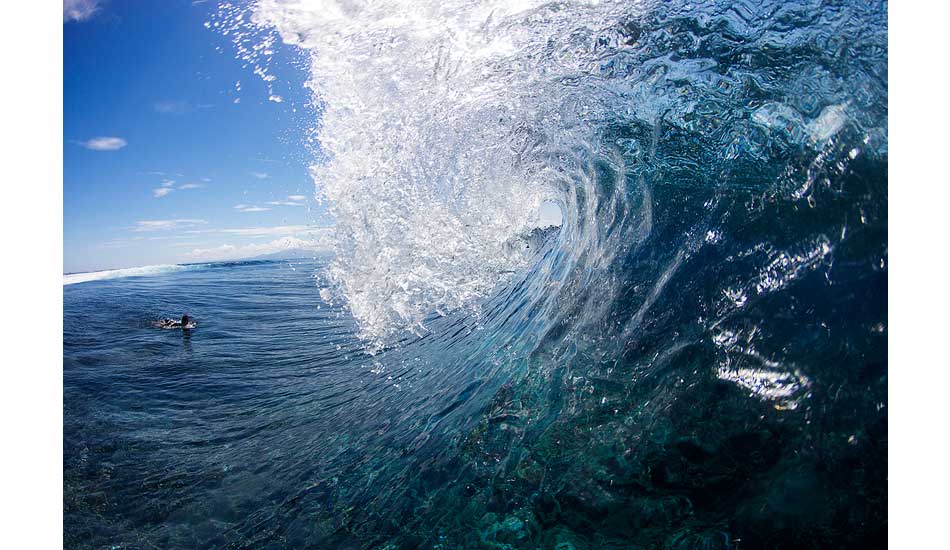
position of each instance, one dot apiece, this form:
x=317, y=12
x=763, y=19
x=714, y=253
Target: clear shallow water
x=697, y=358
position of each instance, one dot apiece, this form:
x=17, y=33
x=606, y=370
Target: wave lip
x=74, y=278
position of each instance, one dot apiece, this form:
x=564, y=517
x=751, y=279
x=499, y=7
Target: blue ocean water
x=695, y=358
x=268, y=426
x=172, y=435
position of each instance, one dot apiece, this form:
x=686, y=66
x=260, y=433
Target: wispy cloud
x=165, y=225
x=279, y=230
x=232, y=252
x=79, y=10
x=168, y=185
x=294, y=200
x=250, y=208
x=260, y=175
x=104, y=143
x=284, y=203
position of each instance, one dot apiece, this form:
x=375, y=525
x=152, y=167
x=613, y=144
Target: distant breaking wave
x=74, y=278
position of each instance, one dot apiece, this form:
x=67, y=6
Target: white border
x=31, y=404
x=31, y=323
x=918, y=308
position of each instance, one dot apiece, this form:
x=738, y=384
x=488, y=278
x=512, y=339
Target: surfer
x=185, y=323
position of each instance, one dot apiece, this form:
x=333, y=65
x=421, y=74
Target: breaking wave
x=73, y=278
x=721, y=171
x=444, y=126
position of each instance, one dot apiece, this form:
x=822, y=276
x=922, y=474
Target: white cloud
x=293, y=200
x=232, y=252
x=249, y=208
x=79, y=10
x=104, y=143
x=276, y=230
x=260, y=175
x=164, y=225
x=280, y=230
x=284, y=203
x=167, y=186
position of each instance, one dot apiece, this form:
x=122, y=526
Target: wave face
x=73, y=278
x=701, y=346
x=444, y=125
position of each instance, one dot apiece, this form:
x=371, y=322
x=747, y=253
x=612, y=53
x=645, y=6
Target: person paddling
x=186, y=322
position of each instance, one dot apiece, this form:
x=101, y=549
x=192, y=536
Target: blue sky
x=173, y=151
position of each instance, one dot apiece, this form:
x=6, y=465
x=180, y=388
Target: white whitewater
x=73, y=278
x=440, y=128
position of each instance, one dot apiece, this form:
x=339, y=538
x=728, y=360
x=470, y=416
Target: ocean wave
x=74, y=278
x=721, y=171
x=444, y=126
